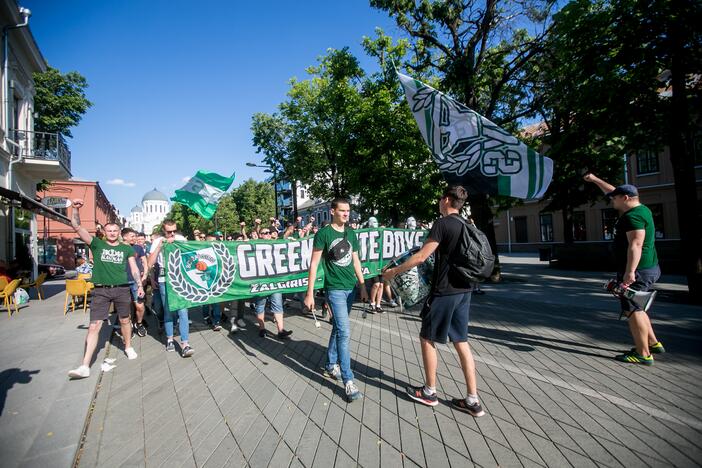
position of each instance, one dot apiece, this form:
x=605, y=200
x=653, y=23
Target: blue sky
x=175, y=83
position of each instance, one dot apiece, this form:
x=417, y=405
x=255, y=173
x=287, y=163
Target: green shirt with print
x=637, y=218
x=338, y=274
x=110, y=262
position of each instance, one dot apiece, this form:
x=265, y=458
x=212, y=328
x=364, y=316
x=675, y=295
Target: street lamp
x=272, y=170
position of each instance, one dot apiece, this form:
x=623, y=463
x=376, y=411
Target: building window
x=521, y=234
x=546, y=223
x=579, y=227
x=657, y=211
x=647, y=161
x=609, y=218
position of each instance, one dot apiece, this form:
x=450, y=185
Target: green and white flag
x=472, y=151
x=203, y=192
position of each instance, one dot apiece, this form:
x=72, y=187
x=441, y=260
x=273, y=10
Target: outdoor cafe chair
x=8, y=296
x=36, y=284
x=76, y=288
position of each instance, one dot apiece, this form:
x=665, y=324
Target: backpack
x=473, y=260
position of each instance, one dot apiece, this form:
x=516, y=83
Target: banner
x=472, y=151
x=203, y=192
x=199, y=273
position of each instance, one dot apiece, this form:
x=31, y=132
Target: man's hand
x=388, y=275
x=309, y=301
x=257, y=221
x=242, y=224
x=629, y=278
x=364, y=293
x=140, y=291
x=170, y=239
x=311, y=219
x=77, y=203
x=589, y=177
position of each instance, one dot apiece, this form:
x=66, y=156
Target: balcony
x=44, y=155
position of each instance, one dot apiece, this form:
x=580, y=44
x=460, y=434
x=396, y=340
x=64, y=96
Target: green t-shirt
x=110, y=262
x=639, y=217
x=338, y=274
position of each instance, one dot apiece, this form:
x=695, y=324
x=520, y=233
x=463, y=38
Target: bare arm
x=633, y=254
x=145, y=264
x=153, y=255
x=357, y=268
x=83, y=233
x=314, y=264
x=135, y=272
x=604, y=186
x=417, y=259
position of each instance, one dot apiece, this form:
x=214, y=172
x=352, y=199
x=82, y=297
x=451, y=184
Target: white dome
x=154, y=195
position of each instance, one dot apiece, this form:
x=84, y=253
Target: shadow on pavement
x=8, y=379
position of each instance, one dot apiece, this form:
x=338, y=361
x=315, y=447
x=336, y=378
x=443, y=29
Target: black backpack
x=473, y=260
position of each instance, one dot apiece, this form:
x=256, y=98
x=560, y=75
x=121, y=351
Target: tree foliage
x=254, y=200
x=60, y=101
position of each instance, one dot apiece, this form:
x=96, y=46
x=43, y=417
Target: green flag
x=472, y=151
x=203, y=192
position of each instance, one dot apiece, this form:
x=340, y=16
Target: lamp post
x=272, y=170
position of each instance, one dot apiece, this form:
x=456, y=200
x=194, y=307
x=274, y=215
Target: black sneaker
x=379, y=309
x=187, y=351
x=284, y=335
x=140, y=329
x=460, y=404
x=418, y=395
x=262, y=332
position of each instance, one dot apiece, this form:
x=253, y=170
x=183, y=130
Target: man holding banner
x=338, y=247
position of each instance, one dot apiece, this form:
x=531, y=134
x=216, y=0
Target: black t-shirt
x=139, y=253
x=447, y=232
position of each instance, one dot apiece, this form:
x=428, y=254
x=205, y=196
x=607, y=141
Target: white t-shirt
x=159, y=260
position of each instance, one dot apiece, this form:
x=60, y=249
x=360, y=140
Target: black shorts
x=376, y=279
x=645, y=279
x=446, y=317
x=121, y=297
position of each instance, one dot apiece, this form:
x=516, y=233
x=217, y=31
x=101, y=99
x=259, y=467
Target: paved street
x=543, y=342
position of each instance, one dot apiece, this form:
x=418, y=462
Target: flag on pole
x=472, y=151
x=203, y=192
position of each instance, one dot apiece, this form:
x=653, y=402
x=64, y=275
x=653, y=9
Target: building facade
x=153, y=210
x=528, y=228
x=26, y=157
x=58, y=242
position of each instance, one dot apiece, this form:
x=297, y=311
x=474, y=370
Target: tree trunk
x=684, y=169
x=483, y=217
x=568, y=225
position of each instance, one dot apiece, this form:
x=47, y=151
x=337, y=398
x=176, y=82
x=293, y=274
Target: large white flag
x=472, y=151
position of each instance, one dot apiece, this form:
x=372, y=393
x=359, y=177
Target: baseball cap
x=626, y=189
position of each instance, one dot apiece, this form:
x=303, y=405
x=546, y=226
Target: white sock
x=372, y=304
x=472, y=399
x=429, y=390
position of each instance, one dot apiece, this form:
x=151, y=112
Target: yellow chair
x=86, y=277
x=76, y=288
x=8, y=296
x=3, y=283
x=37, y=284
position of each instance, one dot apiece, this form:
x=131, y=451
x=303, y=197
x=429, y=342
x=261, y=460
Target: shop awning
x=33, y=205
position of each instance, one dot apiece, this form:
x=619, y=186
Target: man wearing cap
x=637, y=264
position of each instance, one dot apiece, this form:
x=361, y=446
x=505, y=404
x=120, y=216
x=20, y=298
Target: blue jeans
x=340, y=302
x=276, y=303
x=214, y=311
x=168, y=316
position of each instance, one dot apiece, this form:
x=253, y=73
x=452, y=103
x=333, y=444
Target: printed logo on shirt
x=112, y=256
x=345, y=260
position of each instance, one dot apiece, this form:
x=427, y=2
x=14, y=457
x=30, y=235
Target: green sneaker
x=656, y=348
x=635, y=358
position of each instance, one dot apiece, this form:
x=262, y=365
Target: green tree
x=615, y=79
x=187, y=221
x=481, y=53
x=226, y=218
x=60, y=101
x=254, y=200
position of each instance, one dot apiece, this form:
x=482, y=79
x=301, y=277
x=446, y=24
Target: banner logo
x=202, y=274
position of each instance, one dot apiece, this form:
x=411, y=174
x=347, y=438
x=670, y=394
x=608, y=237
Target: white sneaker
x=79, y=373
x=234, y=328
x=131, y=354
x=352, y=391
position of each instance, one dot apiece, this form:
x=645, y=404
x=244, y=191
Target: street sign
x=56, y=202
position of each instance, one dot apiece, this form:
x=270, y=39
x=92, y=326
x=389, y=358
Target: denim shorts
x=645, y=279
x=446, y=317
x=134, y=288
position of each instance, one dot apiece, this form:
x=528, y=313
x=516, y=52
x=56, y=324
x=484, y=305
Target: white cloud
x=121, y=182
x=185, y=179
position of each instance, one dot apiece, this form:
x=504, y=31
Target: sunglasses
x=171, y=232
x=265, y=233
